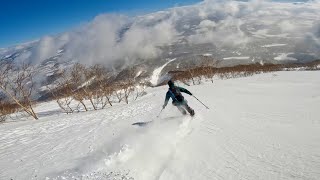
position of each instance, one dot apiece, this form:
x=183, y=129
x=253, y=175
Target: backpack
x=177, y=94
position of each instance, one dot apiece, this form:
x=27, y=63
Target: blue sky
x=26, y=20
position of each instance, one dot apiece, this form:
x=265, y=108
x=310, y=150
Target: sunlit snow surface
x=261, y=127
x=236, y=58
x=285, y=57
x=273, y=45
x=157, y=73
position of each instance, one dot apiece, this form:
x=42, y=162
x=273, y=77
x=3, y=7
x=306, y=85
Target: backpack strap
x=176, y=94
x=173, y=96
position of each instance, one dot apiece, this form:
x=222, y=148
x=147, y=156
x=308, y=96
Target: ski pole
x=201, y=102
x=160, y=112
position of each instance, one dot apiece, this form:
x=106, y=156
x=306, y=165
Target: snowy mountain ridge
x=231, y=32
x=221, y=28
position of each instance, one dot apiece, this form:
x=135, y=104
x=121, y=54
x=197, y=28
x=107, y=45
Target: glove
x=164, y=106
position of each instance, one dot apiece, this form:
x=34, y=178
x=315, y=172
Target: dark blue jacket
x=171, y=95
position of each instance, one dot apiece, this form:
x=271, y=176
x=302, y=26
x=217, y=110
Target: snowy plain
x=262, y=127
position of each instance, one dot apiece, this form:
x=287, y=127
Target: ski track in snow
x=261, y=127
x=284, y=57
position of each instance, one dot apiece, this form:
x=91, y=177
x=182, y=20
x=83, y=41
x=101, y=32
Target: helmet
x=170, y=83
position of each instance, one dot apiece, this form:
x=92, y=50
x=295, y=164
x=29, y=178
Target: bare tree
x=79, y=83
x=62, y=92
x=3, y=111
x=118, y=91
x=124, y=88
x=210, y=65
x=108, y=91
x=195, y=75
x=140, y=90
x=128, y=85
x=6, y=109
x=103, y=89
x=94, y=85
x=127, y=89
x=90, y=85
x=16, y=82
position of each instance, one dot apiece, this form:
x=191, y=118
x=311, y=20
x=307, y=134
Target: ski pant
x=183, y=106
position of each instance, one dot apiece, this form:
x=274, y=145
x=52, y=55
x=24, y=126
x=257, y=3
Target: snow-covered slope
x=261, y=127
x=156, y=75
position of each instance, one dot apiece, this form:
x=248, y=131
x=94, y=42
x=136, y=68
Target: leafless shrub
x=62, y=92
x=3, y=113
x=125, y=88
x=140, y=90
x=6, y=109
x=106, y=91
x=119, y=93
x=79, y=79
x=99, y=90
x=128, y=89
x=129, y=85
x=123, y=91
x=194, y=77
x=83, y=84
x=65, y=104
x=3, y=118
x=209, y=67
x=16, y=82
x=209, y=71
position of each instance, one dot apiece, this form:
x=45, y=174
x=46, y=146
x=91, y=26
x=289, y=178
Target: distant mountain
x=232, y=32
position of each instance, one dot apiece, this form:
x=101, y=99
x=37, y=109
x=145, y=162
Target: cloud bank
x=112, y=37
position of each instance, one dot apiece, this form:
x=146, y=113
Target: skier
x=178, y=100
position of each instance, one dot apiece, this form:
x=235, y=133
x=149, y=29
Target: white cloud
x=226, y=32
x=312, y=39
x=109, y=38
x=207, y=24
x=46, y=48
